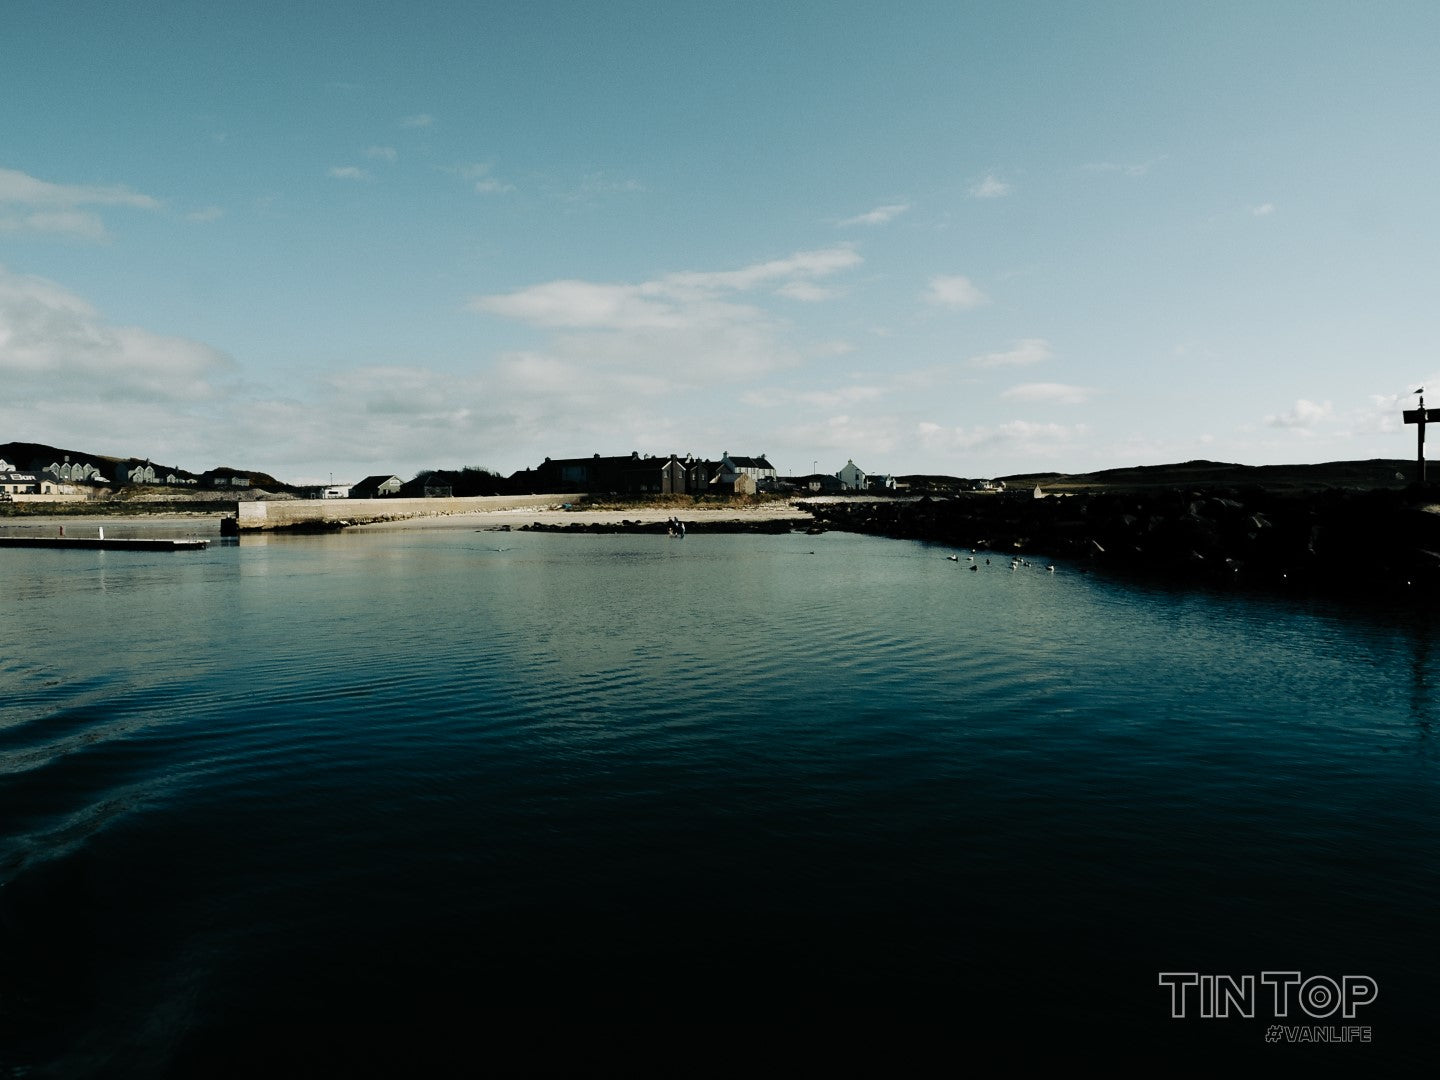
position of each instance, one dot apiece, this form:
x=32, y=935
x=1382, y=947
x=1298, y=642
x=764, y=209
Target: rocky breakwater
x=1359, y=543
x=693, y=525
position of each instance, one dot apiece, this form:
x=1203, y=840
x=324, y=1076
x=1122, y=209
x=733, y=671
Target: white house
x=852, y=477
x=77, y=471
x=758, y=468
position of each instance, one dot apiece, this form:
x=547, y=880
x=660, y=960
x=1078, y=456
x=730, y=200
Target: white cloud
x=43, y=207
x=806, y=291
x=17, y=187
x=881, y=215
x=869, y=438
x=485, y=183
x=1019, y=438
x=991, y=187
x=1050, y=393
x=207, y=213
x=77, y=224
x=602, y=184
x=955, y=291
x=840, y=396
x=420, y=120
x=381, y=153
x=598, y=185
x=1305, y=414
x=1026, y=351
x=802, y=266
x=55, y=346
x=683, y=300
x=623, y=354
x=1382, y=415
x=1263, y=210
x=584, y=304
x=370, y=419
x=831, y=398
x=349, y=172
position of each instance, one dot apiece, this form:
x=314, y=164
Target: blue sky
x=347, y=238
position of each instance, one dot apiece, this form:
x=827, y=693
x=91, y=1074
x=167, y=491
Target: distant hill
x=1377, y=473
x=33, y=457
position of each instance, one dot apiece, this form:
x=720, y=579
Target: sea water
x=328, y=796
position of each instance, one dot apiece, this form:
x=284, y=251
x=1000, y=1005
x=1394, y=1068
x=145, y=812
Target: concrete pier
x=102, y=543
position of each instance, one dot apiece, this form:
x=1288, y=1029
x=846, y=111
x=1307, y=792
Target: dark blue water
x=342, y=801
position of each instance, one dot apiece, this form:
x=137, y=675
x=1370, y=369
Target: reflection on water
x=352, y=780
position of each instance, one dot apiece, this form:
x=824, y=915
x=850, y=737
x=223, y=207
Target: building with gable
x=852, y=477
x=376, y=487
x=757, y=468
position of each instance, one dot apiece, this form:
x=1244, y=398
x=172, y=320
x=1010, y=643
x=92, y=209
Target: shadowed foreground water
x=346, y=800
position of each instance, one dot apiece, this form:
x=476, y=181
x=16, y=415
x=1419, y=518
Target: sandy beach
x=520, y=517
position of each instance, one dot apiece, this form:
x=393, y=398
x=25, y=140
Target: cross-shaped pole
x=1418, y=417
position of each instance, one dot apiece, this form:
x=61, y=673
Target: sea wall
x=23, y=498
x=336, y=513
x=1375, y=543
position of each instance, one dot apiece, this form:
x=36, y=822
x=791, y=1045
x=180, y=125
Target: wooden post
x=1418, y=418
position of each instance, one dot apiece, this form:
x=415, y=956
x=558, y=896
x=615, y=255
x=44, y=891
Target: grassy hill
x=36, y=456
x=1375, y=474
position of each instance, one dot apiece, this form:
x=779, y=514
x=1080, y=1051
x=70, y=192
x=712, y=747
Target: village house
x=14, y=482
x=734, y=484
x=376, y=487
x=633, y=474
x=220, y=480
x=852, y=477
x=78, y=472
x=757, y=468
x=467, y=483
x=819, y=483
x=428, y=485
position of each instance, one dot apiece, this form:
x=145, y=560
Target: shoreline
x=208, y=523
x=526, y=517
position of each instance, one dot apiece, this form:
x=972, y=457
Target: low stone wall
x=50, y=497
x=320, y=513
